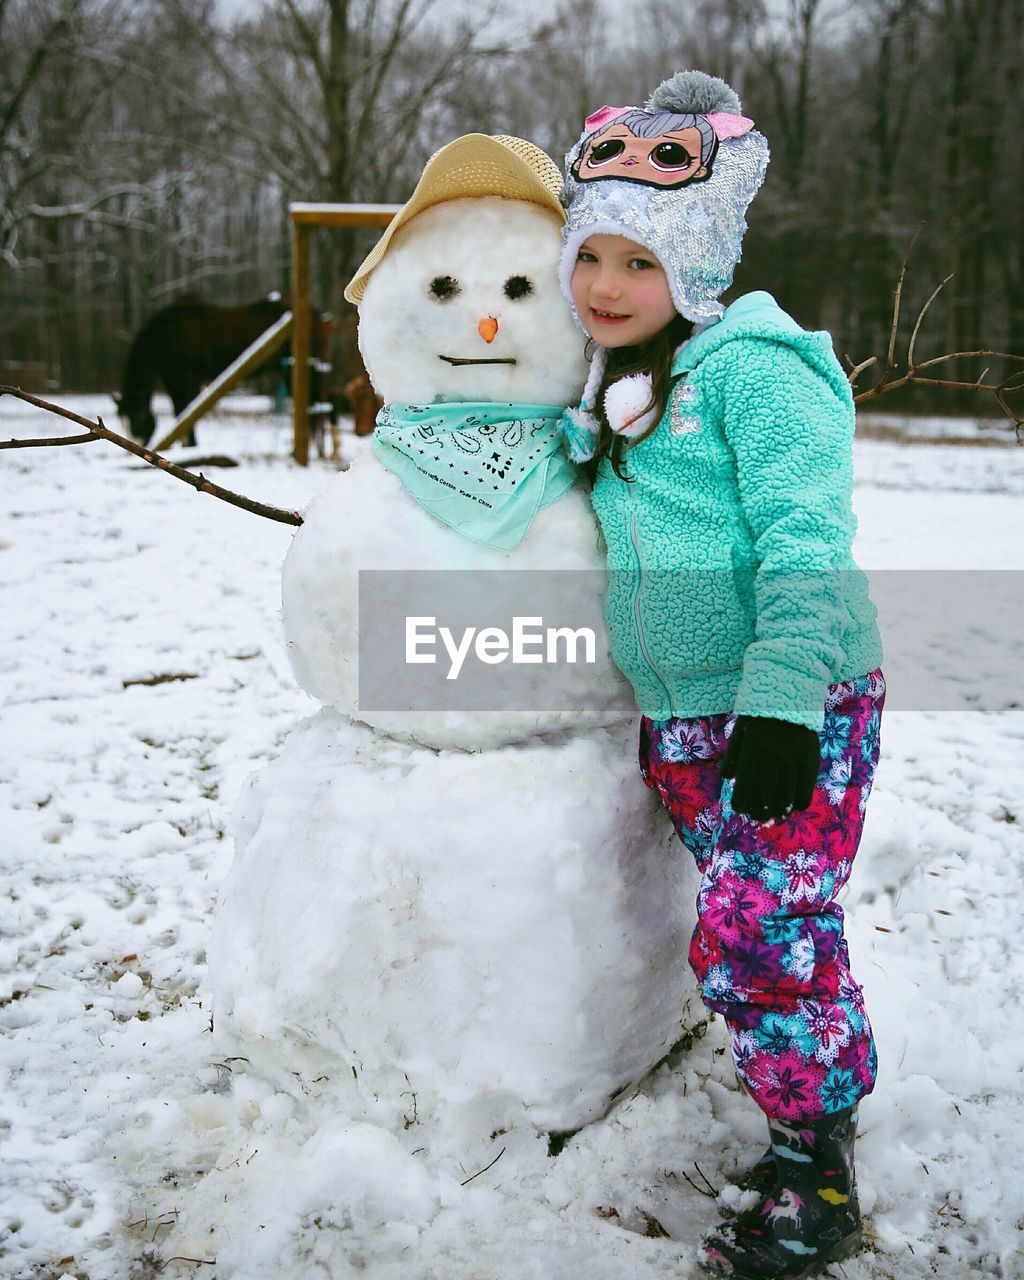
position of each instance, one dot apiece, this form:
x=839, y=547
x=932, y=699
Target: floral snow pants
x=768, y=950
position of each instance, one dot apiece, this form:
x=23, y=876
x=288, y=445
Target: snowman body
x=482, y=908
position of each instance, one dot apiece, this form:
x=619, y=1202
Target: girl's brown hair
x=653, y=357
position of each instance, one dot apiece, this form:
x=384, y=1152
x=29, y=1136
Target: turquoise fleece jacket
x=732, y=587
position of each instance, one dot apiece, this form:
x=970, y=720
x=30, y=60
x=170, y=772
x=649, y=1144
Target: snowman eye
x=444, y=287
x=518, y=287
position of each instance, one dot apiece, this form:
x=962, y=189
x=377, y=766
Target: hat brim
x=473, y=165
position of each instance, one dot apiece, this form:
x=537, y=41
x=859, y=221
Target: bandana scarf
x=484, y=468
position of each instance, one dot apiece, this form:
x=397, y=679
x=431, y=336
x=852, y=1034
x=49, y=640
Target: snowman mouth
x=465, y=360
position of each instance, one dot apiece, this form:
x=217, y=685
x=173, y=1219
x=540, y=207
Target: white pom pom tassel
x=626, y=405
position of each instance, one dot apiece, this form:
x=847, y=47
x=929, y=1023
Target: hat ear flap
x=749, y=168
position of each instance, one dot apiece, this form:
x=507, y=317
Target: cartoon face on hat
x=675, y=176
x=655, y=150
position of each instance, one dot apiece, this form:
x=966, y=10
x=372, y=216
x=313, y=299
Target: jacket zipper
x=636, y=602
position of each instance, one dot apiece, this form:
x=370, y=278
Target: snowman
x=455, y=910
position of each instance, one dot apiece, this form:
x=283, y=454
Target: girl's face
x=620, y=291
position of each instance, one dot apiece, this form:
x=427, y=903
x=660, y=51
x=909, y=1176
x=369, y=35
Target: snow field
x=126, y=1139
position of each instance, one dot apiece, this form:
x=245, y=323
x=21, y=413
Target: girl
x=719, y=446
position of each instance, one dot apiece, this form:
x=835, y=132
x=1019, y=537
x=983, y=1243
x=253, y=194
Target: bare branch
x=913, y=337
x=485, y=1168
x=708, y=1191
x=39, y=56
x=48, y=443
x=217, y=270
x=890, y=361
x=384, y=60
x=308, y=138
x=235, y=164
x=101, y=197
x=446, y=69
x=964, y=355
x=309, y=39
x=858, y=369
x=999, y=390
x=963, y=386
x=232, y=122
x=1014, y=383
x=96, y=430
x=913, y=371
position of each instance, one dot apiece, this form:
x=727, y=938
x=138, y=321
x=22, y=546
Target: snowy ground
x=126, y=1143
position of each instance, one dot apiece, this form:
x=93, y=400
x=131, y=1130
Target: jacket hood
x=758, y=315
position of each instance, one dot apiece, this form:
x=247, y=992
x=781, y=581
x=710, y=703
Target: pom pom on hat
x=696, y=92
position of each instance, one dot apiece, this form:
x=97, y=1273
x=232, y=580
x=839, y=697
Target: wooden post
x=304, y=217
x=342, y=215
x=301, y=334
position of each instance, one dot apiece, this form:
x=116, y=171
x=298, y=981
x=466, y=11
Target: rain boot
x=809, y=1218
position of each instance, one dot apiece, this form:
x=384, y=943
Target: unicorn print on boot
x=809, y=1218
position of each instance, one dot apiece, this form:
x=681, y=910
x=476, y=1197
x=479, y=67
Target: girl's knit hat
x=675, y=176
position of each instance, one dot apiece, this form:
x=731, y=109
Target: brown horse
x=187, y=344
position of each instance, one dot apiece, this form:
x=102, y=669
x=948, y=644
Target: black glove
x=775, y=765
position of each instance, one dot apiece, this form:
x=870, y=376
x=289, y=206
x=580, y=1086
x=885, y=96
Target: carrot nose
x=487, y=328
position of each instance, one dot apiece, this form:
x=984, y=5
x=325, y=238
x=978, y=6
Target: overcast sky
x=511, y=16
x=506, y=12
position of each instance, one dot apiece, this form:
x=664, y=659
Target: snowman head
x=460, y=299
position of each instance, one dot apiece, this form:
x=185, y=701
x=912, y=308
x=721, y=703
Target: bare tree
x=335, y=96
x=30, y=40
x=151, y=147
x=714, y=35
x=786, y=59
x=19, y=74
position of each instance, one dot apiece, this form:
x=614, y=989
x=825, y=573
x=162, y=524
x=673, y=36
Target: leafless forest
x=150, y=148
